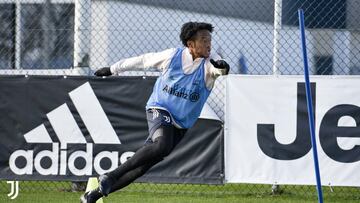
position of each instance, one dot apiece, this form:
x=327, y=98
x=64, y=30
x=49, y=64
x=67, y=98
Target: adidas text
x=61, y=161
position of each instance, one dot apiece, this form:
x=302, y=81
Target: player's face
x=200, y=46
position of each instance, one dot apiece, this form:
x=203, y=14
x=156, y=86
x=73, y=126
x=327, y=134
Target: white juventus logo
x=167, y=119
x=68, y=132
x=14, y=189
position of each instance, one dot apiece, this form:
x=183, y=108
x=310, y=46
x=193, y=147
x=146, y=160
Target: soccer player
x=179, y=94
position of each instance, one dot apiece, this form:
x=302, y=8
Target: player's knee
x=162, y=149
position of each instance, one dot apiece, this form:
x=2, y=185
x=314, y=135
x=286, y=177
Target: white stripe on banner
x=38, y=135
x=93, y=115
x=65, y=126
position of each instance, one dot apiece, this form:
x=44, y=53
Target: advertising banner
x=72, y=128
x=267, y=138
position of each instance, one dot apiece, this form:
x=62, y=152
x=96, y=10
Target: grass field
x=53, y=192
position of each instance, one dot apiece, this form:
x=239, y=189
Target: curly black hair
x=189, y=30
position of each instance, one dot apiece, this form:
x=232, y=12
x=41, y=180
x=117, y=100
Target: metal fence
x=255, y=36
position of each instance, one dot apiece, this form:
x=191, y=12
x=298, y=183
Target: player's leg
x=132, y=175
x=144, y=158
x=158, y=145
x=163, y=138
x=147, y=156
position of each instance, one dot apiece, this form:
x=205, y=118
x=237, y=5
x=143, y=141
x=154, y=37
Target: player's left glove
x=220, y=64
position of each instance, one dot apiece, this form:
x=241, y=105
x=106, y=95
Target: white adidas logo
x=68, y=132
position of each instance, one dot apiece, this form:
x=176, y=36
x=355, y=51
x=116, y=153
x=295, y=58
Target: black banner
x=72, y=128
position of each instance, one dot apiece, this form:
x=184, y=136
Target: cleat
x=89, y=197
x=85, y=198
x=104, y=185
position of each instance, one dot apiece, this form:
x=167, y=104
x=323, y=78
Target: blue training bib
x=183, y=95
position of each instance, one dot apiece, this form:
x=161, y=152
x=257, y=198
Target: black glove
x=220, y=64
x=103, y=72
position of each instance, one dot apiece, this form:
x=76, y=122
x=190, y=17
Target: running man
x=179, y=94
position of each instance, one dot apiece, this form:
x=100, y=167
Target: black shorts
x=157, y=118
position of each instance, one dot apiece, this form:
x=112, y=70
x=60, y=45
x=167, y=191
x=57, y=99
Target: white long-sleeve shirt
x=161, y=60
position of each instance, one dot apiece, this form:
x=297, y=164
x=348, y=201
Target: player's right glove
x=103, y=72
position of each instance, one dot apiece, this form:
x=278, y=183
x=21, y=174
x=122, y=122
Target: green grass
x=56, y=192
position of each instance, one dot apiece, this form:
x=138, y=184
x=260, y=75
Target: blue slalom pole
x=309, y=105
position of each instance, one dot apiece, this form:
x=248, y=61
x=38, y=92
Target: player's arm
x=157, y=60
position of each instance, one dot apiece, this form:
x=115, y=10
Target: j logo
x=14, y=189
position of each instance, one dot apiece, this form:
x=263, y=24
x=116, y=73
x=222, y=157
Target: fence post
x=17, y=45
x=82, y=33
x=276, y=39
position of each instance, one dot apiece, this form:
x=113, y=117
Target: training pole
x=309, y=105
